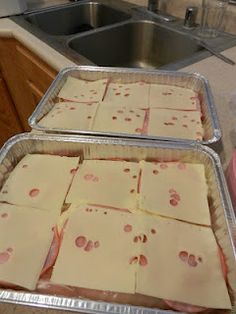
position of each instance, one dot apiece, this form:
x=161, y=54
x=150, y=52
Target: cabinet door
x=36, y=94
x=27, y=77
x=9, y=120
x=14, y=80
x=35, y=70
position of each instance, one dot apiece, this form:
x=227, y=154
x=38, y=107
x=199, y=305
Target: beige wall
x=178, y=8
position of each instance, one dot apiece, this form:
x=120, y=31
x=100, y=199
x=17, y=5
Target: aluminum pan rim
x=212, y=111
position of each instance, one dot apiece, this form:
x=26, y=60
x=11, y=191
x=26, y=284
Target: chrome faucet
x=153, y=7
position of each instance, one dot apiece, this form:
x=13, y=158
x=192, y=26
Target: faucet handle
x=153, y=5
x=190, y=17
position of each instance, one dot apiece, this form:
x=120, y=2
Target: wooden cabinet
x=26, y=75
x=36, y=93
x=9, y=120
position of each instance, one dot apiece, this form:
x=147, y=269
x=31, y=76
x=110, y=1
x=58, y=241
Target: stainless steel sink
x=76, y=18
x=118, y=33
x=141, y=44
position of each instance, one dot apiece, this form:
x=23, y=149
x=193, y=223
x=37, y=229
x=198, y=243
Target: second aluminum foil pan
x=194, y=81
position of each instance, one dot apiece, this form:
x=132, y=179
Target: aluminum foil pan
x=223, y=219
x=194, y=81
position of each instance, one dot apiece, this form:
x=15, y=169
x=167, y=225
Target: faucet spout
x=153, y=8
x=153, y=5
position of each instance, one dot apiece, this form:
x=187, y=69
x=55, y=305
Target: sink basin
x=141, y=44
x=76, y=18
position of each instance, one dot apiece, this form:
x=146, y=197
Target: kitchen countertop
x=222, y=81
x=8, y=28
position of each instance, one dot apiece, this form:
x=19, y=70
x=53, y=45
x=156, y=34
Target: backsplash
x=138, y=2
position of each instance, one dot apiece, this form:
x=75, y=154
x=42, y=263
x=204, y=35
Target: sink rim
x=61, y=6
x=67, y=5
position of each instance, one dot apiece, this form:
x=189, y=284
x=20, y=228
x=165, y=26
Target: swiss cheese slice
x=70, y=115
x=173, y=97
x=120, y=119
x=83, y=91
x=25, y=239
x=98, y=250
x=40, y=181
x=176, y=124
x=176, y=190
x=182, y=265
x=133, y=95
x=107, y=183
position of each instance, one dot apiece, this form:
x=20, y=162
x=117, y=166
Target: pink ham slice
x=144, y=130
x=45, y=287
x=53, y=252
x=183, y=307
x=7, y=285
